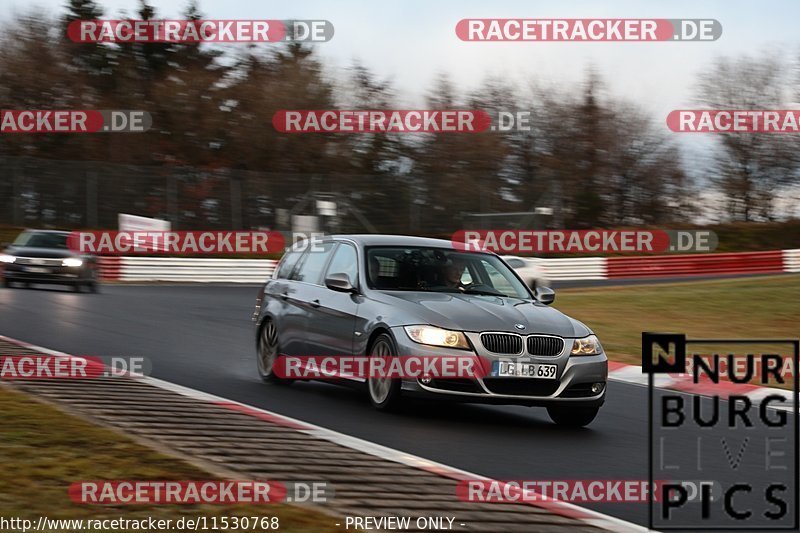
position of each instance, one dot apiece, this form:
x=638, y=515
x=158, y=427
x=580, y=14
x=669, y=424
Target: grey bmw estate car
x=388, y=296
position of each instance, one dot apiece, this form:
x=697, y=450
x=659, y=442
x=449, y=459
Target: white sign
x=137, y=223
x=326, y=208
x=305, y=223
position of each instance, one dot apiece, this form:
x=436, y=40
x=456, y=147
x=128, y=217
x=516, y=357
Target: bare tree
x=750, y=169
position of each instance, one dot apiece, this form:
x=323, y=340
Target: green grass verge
x=762, y=307
x=44, y=450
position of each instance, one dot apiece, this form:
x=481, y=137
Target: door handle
x=314, y=303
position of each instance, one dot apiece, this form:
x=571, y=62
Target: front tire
x=384, y=392
x=268, y=354
x=575, y=417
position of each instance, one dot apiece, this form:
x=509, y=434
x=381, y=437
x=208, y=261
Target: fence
x=45, y=193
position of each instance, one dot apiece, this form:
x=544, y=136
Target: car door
x=333, y=314
x=281, y=304
x=305, y=297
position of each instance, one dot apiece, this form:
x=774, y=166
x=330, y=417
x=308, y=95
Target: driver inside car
x=453, y=270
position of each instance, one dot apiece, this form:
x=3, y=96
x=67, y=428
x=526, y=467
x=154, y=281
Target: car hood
x=39, y=252
x=469, y=312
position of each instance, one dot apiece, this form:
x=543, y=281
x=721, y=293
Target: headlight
x=586, y=346
x=5, y=258
x=437, y=337
x=71, y=262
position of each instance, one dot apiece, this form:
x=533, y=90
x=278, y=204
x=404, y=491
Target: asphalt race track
x=202, y=337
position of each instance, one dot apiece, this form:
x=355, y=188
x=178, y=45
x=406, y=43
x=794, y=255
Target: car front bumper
x=43, y=274
x=575, y=376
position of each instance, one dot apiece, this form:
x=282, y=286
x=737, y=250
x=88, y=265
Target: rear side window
x=345, y=261
x=313, y=262
x=515, y=263
x=287, y=265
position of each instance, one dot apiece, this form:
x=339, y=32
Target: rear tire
x=94, y=287
x=268, y=350
x=572, y=416
x=384, y=393
x=7, y=283
x=77, y=287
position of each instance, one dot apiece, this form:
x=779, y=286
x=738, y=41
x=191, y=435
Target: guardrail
x=791, y=260
x=186, y=269
x=206, y=270
x=578, y=268
x=695, y=265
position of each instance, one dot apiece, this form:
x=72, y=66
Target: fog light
x=426, y=380
x=597, y=388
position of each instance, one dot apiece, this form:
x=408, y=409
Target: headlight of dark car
x=433, y=336
x=586, y=346
x=5, y=258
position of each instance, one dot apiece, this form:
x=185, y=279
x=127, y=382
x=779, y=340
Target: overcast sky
x=411, y=41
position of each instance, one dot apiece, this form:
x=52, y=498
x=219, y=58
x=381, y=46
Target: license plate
x=37, y=270
x=525, y=370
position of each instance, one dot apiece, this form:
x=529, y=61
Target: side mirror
x=339, y=282
x=546, y=295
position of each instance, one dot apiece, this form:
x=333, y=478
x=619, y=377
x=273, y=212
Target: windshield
x=441, y=270
x=34, y=239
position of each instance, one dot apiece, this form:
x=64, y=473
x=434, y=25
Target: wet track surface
x=202, y=337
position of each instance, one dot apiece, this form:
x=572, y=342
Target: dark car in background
x=43, y=256
x=389, y=296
